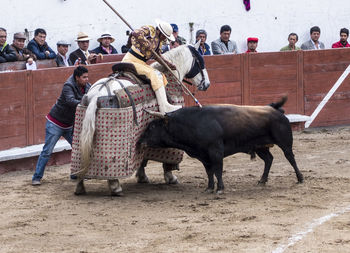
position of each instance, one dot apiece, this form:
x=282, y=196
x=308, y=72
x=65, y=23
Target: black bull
x=216, y=131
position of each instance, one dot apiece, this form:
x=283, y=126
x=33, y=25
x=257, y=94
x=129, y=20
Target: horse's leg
x=80, y=188
x=140, y=173
x=115, y=188
x=168, y=175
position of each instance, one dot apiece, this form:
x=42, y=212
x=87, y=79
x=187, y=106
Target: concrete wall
x=270, y=20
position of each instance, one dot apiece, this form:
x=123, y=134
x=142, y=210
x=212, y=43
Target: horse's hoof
x=117, y=194
x=220, y=192
x=170, y=179
x=80, y=189
x=209, y=190
x=142, y=180
x=262, y=181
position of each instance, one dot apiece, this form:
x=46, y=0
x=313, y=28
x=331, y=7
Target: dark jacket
x=100, y=50
x=78, y=54
x=23, y=54
x=39, y=51
x=66, y=104
x=60, y=62
x=7, y=53
x=207, y=50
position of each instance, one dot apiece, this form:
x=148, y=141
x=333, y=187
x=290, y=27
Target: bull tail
x=87, y=136
x=279, y=104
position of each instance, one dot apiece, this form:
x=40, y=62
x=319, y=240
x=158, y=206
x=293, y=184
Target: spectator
x=204, y=48
x=105, y=46
x=62, y=59
x=7, y=53
x=83, y=55
x=39, y=46
x=224, y=45
x=252, y=45
x=125, y=48
x=343, y=42
x=171, y=45
x=60, y=119
x=144, y=41
x=22, y=53
x=180, y=39
x=313, y=43
x=292, y=39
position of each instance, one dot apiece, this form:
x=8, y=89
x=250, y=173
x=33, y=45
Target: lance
x=159, y=59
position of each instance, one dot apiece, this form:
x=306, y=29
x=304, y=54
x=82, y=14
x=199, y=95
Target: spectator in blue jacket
x=105, y=46
x=39, y=46
x=60, y=119
x=204, y=48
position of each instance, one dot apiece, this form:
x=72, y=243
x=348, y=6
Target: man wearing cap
x=224, y=45
x=204, y=48
x=6, y=52
x=82, y=55
x=61, y=59
x=144, y=41
x=22, y=53
x=105, y=44
x=252, y=45
x=182, y=41
x=39, y=46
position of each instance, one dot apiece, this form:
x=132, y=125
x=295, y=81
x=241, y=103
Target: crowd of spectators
x=38, y=49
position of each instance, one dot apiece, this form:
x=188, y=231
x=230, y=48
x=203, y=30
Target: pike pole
x=161, y=61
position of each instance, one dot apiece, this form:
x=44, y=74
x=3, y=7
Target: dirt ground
x=280, y=217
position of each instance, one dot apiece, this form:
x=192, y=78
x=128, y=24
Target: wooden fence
x=255, y=79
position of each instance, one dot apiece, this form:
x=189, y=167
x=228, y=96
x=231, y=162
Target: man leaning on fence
x=61, y=118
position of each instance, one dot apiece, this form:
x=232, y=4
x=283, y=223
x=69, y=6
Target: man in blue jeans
x=60, y=119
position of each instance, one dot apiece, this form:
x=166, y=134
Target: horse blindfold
x=198, y=63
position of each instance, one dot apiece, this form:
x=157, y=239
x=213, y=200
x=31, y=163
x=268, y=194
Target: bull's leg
x=80, y=188
x=218, y=174
x=264, y=153
x=168, y=175
x=115, y=188
x=141, y=174
x=210, y=173
x=288, y=153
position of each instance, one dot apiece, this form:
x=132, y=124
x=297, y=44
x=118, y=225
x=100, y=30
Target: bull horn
x=156, y=114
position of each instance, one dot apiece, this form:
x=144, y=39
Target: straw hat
x=82, y=37
x=166, y=29
x=106, y=35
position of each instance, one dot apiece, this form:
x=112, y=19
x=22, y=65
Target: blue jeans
x=53, y=134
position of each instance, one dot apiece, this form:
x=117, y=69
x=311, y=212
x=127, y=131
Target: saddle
x=128, y=96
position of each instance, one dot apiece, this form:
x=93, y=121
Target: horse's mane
x=175, y=55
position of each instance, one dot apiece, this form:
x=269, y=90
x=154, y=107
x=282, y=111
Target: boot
x=163, y=103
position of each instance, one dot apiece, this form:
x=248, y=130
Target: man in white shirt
x=314, y=43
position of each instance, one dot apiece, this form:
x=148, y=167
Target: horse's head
x=198, y=73
x=190, y=64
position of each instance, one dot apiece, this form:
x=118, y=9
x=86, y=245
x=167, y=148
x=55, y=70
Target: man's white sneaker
x=36, y=182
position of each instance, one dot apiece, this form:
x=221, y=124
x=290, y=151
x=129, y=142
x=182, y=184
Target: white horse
x=189, y=63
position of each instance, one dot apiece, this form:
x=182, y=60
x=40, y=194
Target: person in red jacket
x=343, y=42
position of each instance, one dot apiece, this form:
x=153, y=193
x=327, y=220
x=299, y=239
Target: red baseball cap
x=252, y=39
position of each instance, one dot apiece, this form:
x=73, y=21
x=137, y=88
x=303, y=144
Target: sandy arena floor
x=280, y=217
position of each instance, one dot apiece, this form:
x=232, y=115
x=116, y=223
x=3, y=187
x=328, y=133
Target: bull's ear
x=196, y=46
x=156, y=114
